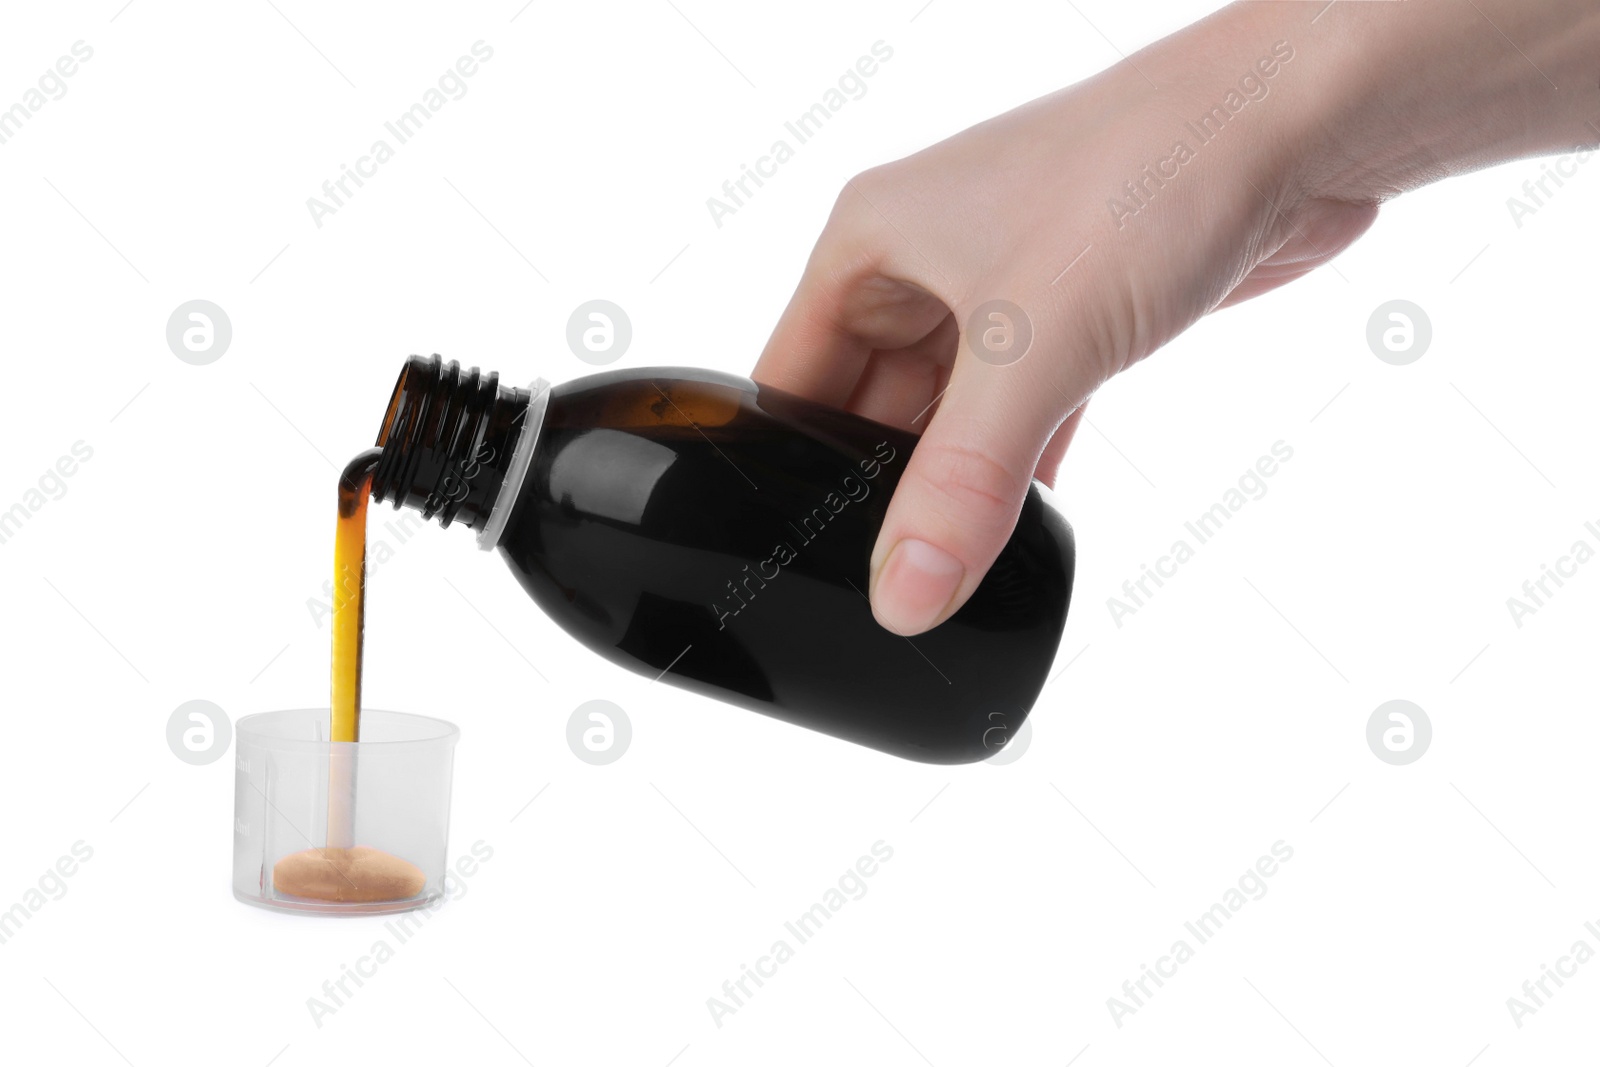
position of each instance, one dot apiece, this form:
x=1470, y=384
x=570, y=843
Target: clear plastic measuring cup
x=338, y=827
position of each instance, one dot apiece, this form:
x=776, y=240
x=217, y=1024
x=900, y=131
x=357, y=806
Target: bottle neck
x=450, y=442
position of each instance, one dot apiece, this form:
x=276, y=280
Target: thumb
x=957, y=503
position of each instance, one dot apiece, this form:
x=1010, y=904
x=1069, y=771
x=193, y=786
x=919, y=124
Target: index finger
x=845, y=308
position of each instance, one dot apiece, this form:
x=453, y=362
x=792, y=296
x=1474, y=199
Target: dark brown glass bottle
x=701, y=525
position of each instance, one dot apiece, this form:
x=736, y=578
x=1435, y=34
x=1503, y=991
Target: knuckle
x=867, y=183
x=974, y=490
x=875, y=229
x=864, y=199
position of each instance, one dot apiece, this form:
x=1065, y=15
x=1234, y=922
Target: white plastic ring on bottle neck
x=521, y=459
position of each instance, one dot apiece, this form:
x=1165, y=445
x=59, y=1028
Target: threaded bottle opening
x=447, y=441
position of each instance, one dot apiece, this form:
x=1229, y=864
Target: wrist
x=1390, y=96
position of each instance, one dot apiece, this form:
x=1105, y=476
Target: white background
x=1228, y=714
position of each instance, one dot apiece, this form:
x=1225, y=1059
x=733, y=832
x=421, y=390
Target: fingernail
x=915, y=584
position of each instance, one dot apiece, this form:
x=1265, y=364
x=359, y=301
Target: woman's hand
x=981, y=290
